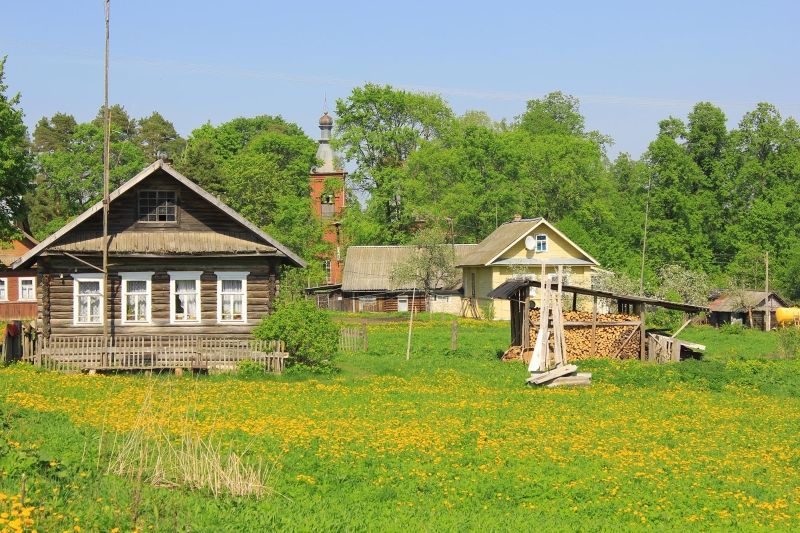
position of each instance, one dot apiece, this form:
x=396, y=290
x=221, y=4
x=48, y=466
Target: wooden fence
x=353, y=338
x=151, y=352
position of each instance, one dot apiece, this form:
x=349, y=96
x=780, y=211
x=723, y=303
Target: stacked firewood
x=608, y=339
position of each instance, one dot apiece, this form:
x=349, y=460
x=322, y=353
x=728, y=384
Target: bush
x=249, y=368
x=311, y=336
x=732, y=329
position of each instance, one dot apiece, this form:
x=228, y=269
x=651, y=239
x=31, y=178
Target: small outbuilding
x=740, y=305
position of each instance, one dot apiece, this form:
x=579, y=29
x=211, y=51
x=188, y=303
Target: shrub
x=249, y=368
x=732, y=329
x=311, y=336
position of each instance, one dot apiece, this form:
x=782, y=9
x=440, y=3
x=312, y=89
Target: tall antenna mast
x=106, y=172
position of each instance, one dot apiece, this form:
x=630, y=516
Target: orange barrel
x=787, y=314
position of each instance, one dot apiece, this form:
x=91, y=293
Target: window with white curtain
x=27, y=289
x=3, y=289
x=232, y=296
x=185, y=297
x=136, y=290
x=87, y=291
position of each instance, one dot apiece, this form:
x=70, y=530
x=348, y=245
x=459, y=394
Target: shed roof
x=507, y=289
x=260, y=234
x=490, y=249
x=730, y=302
x=369, y=268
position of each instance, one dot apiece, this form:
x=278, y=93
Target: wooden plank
x=642, y=332
x=681, y=328
x=581, y=379
x=593, y=351
x=544, y=377
x=625, y=343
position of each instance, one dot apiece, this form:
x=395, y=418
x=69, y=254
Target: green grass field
x=445, y=441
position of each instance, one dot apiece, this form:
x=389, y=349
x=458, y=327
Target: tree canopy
x=16, y=161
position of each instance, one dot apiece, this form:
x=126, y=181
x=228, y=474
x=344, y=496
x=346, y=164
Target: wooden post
x=642, y=332
x=676, y=350
x=454, y=336
x=364, y=334
x=594, y=327
x=574, y=301
x=526, y=323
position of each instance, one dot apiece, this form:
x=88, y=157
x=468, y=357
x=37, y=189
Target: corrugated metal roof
x=200, y=242
x=29, y=257
x=508, y=288
x=728, y=303
x=498, y=241
x=369, y=268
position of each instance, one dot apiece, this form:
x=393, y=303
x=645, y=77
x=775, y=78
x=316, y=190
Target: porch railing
x=152, y=352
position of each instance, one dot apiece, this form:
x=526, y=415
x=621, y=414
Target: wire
x=451, y=91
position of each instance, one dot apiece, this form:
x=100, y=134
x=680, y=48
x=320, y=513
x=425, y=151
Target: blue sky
x=632, y=63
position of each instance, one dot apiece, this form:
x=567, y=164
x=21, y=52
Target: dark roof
x=280, y=249
x=509, y=288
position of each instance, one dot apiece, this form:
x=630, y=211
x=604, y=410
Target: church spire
x=324, y=152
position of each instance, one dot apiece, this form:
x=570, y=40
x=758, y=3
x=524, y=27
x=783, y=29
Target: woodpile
x=608, y=339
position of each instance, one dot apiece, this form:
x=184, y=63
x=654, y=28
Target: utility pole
x=452, y=233
x=106, y=172
x=767, y=308
x=644, y=238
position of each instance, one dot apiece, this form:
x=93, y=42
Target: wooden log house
x=180, y=263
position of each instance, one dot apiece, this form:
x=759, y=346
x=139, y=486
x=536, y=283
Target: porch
x=150, y=352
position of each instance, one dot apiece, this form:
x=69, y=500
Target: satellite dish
x=530, y=243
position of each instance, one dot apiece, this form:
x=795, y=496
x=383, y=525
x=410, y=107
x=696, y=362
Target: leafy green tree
x=16, y=161
x=155, y=136
x=70, y=166
x=377, y=128
x=199, y=163
x=431, y=265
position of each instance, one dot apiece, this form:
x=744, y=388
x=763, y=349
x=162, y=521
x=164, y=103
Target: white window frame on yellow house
x=541, y=239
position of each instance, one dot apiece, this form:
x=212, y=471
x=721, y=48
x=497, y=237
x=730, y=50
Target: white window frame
x=19, y=289
x=543, y=240
x=184, y=275
x=234, y=276
x=4, y=283
x=147, y=277
x=76, y=280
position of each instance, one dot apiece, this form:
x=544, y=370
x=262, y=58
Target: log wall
x=56, y=288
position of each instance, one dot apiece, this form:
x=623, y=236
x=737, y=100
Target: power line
x=316, y=80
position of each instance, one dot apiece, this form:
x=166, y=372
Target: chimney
x=517, y=217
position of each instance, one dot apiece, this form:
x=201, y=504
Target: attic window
x=541, y=242
x=157, y=206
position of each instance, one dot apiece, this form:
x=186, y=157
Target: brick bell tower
x=328, y=200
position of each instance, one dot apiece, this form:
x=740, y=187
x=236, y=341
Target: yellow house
x=517, y=249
